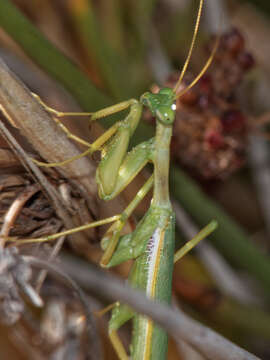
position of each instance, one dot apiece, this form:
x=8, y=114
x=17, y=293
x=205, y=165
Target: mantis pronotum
x=151, y=245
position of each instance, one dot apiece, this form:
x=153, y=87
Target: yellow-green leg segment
x=206, y=231
x=111, y=237
x=120, y=315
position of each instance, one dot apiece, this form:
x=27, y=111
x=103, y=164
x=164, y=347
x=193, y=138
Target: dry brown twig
x=43, y=273
x=204, y=340
x=94, y=346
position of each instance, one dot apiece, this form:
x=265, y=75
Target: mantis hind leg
x=207, y=230
x=120, y=315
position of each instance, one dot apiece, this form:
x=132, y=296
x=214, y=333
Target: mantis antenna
x=202, y=72
x=195, y=33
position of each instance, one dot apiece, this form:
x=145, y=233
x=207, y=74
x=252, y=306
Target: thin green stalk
x=108, y=62
x=250, y=320
x=263, y=4
x=140, y=15
x=222, y=312
x=112, y=13
x=143, y=10
x=47, y=56
x=181, y=25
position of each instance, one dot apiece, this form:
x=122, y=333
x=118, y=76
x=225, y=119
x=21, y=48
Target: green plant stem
x=229, y=238
x=143, y=10
x=250, y=320
x=112, y=13
x=47, y=56
x=262, y=4
x=107, y=61
x=222, y=312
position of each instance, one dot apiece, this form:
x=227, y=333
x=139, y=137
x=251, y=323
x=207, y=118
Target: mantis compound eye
x=166, y=114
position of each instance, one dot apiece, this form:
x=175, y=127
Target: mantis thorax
x=162, y=105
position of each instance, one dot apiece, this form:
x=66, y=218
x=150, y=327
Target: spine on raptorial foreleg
x=156, y=267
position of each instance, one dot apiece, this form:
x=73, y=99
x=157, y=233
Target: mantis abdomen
x=154, y=276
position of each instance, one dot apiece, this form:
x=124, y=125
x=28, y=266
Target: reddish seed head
x=204, y=101
x=205, y=83
x=246, y=60
x=234, y=41
x=189, y=98
x=214, y=139
x=233, y=120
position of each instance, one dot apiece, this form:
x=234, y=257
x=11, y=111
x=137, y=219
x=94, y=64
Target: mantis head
x=162, y=105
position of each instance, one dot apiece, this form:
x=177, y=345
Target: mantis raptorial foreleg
x=116, y=169
x=132, y=164
x=114, y=152
x=119, y=134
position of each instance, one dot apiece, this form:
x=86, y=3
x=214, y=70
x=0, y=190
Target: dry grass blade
x=24, y=112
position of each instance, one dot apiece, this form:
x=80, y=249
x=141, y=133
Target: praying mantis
x=151, y=245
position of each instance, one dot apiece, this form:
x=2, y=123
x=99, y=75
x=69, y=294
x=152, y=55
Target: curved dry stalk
x=14, y=210
x=54, y=252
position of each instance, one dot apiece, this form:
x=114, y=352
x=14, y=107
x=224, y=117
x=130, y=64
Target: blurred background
x=220, y=151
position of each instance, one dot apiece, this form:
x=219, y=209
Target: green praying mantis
x=151, y=245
